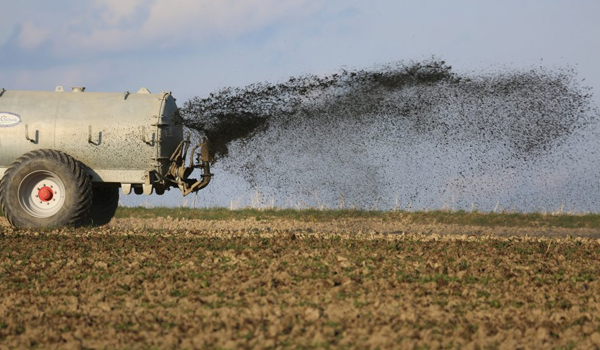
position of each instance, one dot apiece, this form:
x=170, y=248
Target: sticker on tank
x=8, y=119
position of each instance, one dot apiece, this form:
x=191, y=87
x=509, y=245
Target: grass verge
x=463, y=218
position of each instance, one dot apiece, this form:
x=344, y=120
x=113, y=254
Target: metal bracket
x=90, y=137
x=144, y=139
x=126, y=188
x=160, y=125
x=32, y=140
x=147, y=189
x=147, y=186
x=179, y=172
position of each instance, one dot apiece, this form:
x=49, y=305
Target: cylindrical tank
x=119, y=137
x=64, y=155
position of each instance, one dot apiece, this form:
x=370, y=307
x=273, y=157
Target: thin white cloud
x=114, y=12
x=125, y=25
x=192, y=20
x=31, y=36
x=66, y=76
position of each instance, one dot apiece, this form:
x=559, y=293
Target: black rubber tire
x=76, y=199
x=104, y=205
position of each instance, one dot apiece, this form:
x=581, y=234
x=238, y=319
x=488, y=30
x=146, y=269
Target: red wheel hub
x=45, y=193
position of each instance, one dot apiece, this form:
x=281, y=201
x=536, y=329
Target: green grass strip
x=463, y=218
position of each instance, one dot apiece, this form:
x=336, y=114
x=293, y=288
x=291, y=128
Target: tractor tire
x=46, y=188
x=104, y=205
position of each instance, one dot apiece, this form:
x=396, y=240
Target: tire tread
x=83, y=200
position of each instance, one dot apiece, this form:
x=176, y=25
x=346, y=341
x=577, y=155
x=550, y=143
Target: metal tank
x=130, y=140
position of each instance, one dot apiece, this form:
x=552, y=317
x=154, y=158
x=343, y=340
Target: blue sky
x=193, y=47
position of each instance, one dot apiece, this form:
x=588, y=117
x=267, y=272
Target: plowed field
x=294, y=284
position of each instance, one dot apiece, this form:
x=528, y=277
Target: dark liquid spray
x=399, y=136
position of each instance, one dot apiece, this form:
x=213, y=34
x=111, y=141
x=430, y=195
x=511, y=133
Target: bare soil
x=284, y=284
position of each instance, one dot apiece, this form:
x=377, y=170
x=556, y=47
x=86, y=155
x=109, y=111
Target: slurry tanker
x=64, y=155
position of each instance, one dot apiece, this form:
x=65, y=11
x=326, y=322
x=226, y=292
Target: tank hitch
x=178, y=171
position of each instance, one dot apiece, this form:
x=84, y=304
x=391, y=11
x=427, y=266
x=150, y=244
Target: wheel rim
x=41, y=194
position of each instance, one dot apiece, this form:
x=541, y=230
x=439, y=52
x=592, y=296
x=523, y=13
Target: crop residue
x=234, y=284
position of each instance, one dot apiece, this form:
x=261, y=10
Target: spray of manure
x=397, y=136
